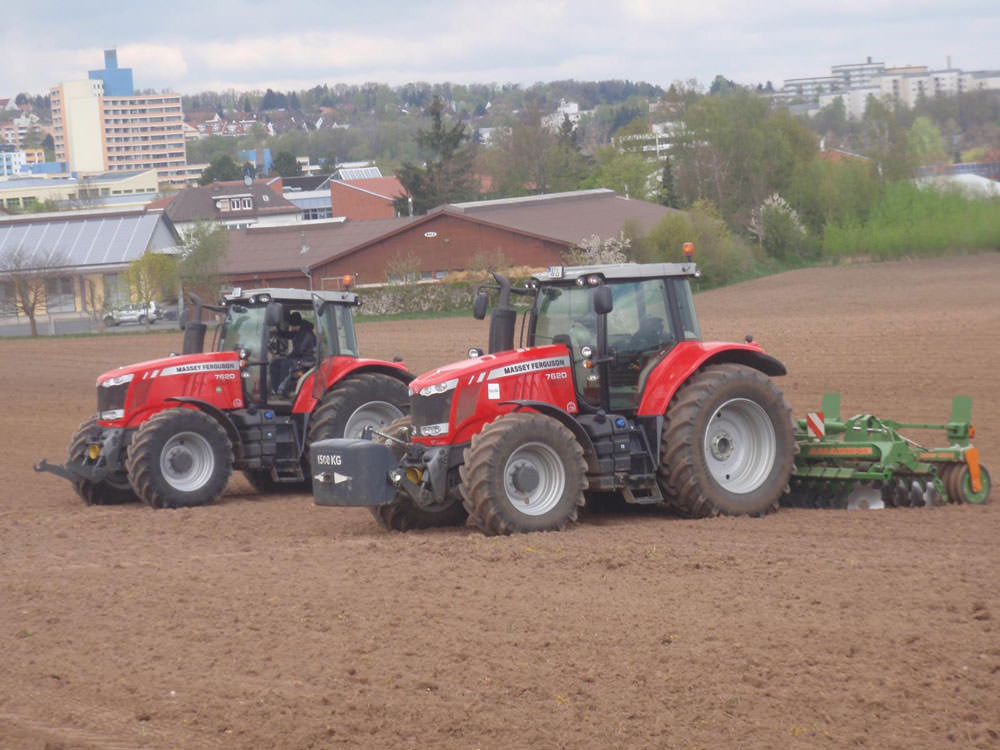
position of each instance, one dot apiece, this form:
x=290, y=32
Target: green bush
x=721, y=256
x=913, y=221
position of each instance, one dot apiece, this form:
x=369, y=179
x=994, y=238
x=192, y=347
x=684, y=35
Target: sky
x=288, y=45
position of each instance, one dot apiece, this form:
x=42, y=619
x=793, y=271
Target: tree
x=148, y=277
x=626, y=173
x=529, y=158
x=668, y=192
x=447, y=174
x=594, y=250
x=736, y=151
x=925, y=141
x=286, y=165
x=26, y=271
x=223, y=168
x=202, y=251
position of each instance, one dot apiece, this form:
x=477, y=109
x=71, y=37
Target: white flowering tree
x=593, y=250
x=778, y=228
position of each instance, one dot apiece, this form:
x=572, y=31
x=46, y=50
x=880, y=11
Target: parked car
x=133, y=314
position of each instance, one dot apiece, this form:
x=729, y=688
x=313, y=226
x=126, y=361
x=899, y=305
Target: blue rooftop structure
x=117, y=81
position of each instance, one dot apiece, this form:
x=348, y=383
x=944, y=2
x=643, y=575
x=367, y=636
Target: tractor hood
x=491, y=367
x=174, y=365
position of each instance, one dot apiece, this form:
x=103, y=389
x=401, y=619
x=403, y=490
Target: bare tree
x=26, y=272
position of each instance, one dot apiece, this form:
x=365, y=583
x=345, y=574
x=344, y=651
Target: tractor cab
x=281, y=337
x=618, y=322
x=284, y=335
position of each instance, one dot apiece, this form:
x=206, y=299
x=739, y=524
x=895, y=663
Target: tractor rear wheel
x=359, y=401
x=112, y=490
x=180, y=458
x=402, y=514
x=523, y=472
x=728, y=441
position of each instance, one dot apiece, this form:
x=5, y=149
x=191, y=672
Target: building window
x=59, y=295
x=247, y=203
x=8, y=300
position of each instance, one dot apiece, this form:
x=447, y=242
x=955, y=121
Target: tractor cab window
x=336, y=332
x=243, y=328
x=688, y=322
x=347, y=342
x=566, y=315
x=639, y=329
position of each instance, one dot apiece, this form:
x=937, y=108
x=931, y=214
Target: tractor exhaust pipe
x=194, y=328
x=503, y=319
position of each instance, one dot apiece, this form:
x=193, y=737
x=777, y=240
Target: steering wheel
x=276, y=345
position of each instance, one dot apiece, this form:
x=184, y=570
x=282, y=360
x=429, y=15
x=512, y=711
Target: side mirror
x=479, y=305
x=274, y=314
x=603, y=304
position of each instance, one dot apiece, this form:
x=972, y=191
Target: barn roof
x=280, y=248
x=565, y=217
x=81, y=241
x=562, y=218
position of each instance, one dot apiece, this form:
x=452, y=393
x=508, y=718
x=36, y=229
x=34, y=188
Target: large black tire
x=114, y=489
x=728, y=442
x=523, y=472
x=356, y=402
x=180, y=458
x=402, y=514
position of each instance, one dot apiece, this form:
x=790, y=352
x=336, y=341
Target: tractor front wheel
x=727, y=445
x=402, y=514
x=113, y=489
x=360, y=401
x=523, y=472
x=180, y=458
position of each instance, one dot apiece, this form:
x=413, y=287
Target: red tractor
x=614, y=392
x=171, y=431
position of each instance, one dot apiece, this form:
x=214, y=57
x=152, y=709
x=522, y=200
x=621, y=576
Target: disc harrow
x=866, y=462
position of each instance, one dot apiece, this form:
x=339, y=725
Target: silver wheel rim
x=551, y=479
x=375, y=414
x=187, y=461
x=740, y=446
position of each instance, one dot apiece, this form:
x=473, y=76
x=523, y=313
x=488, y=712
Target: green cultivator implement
x=864, y=462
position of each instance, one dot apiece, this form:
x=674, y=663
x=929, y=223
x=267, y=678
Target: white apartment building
x=854, y=83
x=101, y=130
x=76, y=125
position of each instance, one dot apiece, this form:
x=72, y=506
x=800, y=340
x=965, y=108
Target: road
x=71, y=323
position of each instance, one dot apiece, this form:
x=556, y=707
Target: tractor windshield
x=243, y=328
x=565, y=314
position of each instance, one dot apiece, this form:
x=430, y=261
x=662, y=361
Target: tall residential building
x=100, y=124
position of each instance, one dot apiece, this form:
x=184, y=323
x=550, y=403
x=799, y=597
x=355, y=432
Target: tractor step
x=644, y=494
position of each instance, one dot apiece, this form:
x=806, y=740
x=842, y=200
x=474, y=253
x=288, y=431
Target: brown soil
x=270, y=622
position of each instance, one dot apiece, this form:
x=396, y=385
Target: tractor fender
x=220, y=416
x=342, y=368
x=589, y=453
x=685, y=359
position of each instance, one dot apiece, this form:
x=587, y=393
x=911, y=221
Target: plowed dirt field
x=270, y=622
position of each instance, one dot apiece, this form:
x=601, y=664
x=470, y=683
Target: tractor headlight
x=433, y=390
x=433, y=430
x=118, y=380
